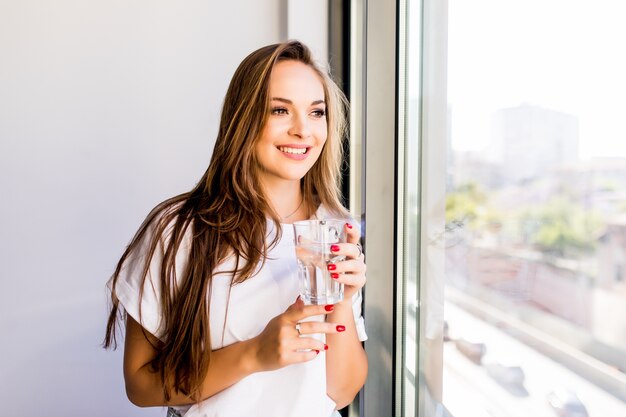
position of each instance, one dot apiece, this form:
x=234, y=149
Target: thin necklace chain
x=295, y=211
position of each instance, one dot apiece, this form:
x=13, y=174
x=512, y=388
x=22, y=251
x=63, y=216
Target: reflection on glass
x=535, y=296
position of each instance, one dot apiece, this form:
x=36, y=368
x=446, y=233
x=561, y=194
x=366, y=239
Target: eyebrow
x=287, y=101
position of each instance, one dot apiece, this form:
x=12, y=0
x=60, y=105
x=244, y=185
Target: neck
x=286, y=199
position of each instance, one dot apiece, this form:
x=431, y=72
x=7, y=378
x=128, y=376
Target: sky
x=564, y=55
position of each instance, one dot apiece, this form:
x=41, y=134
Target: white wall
x=106, y=108
x=308, y=22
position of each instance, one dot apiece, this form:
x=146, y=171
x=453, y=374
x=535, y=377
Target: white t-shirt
x=295, y=390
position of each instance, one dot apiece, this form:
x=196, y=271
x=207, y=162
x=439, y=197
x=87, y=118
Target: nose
x=300, y=127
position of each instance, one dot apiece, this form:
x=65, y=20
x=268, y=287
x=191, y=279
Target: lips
x=297, y=152
x=292, y=150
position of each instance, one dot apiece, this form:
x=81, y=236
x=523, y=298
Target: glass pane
x=535, y=248
x=422, y=130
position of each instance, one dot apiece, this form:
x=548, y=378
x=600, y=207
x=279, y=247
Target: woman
x=208, y=282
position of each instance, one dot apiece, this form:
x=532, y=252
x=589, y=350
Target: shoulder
x=162, y=226
x=325, y=212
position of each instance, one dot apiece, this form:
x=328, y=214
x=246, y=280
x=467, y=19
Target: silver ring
x=358, y=245
x=298, y=329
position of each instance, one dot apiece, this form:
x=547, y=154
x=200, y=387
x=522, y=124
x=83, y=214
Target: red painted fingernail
x=325, y=347
x=334, y=248
x=341, y=328
x=349, y=225
x=317, y=352
x=334, y=275
x=332, y=267
x=329, y=307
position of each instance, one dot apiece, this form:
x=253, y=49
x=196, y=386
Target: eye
x=279, y=110
x=318, y=113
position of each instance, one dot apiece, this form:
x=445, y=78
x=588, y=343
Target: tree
x=464, y=205
x=561, y=227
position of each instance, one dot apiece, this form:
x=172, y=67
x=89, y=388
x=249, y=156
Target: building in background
x=531, y=141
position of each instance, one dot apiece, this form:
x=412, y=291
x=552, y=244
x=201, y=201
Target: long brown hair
x=227, y=213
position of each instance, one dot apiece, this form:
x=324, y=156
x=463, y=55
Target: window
x=512, y=160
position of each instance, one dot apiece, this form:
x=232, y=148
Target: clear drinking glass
x=313, y=239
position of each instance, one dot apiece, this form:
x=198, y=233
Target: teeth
x=296, y=151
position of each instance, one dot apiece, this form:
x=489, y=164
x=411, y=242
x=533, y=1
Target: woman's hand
x=280, y=343
x=351, y=271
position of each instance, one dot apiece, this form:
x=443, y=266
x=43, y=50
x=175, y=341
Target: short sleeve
x=357, y=302
x=145, y=307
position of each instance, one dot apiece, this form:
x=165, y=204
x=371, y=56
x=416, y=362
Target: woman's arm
x=277, y=346
x=346, y=361
x=144, y=387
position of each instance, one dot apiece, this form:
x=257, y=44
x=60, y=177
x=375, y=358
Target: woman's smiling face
x=296, y=129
